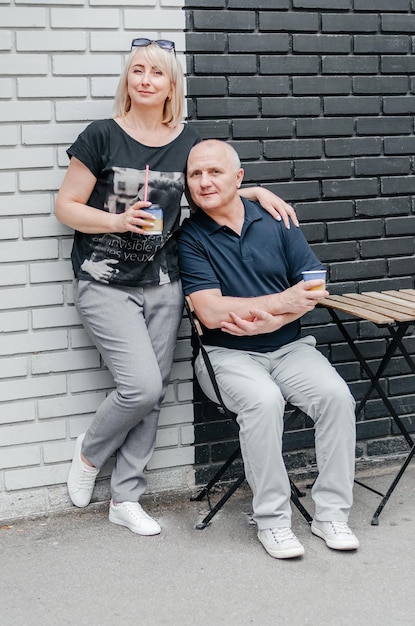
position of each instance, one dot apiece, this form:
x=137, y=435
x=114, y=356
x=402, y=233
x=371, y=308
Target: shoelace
x=136, y=511
x=341, y=528
x=283, y=534
x=86, y=479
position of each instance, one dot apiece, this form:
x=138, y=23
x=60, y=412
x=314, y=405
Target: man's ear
x=239, y=177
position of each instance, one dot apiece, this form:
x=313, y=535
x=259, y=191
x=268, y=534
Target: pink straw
x=146, y=183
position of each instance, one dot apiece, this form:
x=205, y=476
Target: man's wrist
x=276, y=304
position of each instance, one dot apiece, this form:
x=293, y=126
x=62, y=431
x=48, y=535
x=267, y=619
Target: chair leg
x=295, y=495
x=297, y=491
x=205, y=521
x=205, y=490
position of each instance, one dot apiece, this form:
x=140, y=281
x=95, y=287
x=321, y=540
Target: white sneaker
x=81, y=478
x=337, y=535
x=131, y=515
x=281, y=543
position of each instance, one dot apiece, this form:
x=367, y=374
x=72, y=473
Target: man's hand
x=213, y=308
x=301, y=298
x=260, y=323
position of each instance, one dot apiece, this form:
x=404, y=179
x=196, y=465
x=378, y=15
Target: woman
x=126, y=288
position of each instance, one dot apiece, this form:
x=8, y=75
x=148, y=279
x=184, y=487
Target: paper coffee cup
x=315, y=275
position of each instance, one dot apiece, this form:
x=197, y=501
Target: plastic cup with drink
x=154, y=227
x=315, y=275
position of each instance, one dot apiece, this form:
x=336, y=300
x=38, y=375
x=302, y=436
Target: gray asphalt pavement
x=78, y=569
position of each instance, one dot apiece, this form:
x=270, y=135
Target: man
x=242, y=270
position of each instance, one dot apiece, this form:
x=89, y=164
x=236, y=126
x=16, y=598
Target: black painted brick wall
x=318, y=98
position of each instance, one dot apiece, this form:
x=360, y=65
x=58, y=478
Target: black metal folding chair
x=296, y=494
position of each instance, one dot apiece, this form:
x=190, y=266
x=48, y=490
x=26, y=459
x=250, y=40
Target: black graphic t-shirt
x=119, y=162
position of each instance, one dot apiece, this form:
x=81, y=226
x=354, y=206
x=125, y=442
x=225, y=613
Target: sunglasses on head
x=164, y=44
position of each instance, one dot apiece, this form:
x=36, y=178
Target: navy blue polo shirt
x=266, y=258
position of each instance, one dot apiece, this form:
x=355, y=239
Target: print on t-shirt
x=126, y=188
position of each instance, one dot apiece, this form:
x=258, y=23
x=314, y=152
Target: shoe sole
x=286, y=554
x=334, y=545
x=134, y=529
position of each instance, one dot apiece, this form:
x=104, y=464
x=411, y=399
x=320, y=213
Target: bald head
x=220, y=147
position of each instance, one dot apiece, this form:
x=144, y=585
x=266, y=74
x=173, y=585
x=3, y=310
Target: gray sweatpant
x=256, y=386
x=135, y=331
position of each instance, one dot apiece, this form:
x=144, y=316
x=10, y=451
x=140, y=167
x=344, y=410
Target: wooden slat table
x=394, y=310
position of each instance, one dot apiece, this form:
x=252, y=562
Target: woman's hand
x=134, y=218
x=271, y=203
x=72, y=208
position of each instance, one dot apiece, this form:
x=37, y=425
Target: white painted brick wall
x=59, y=66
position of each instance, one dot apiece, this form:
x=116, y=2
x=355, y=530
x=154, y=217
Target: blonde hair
x=168, y=63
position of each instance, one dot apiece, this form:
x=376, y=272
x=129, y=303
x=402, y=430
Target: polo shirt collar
x=253, y=212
